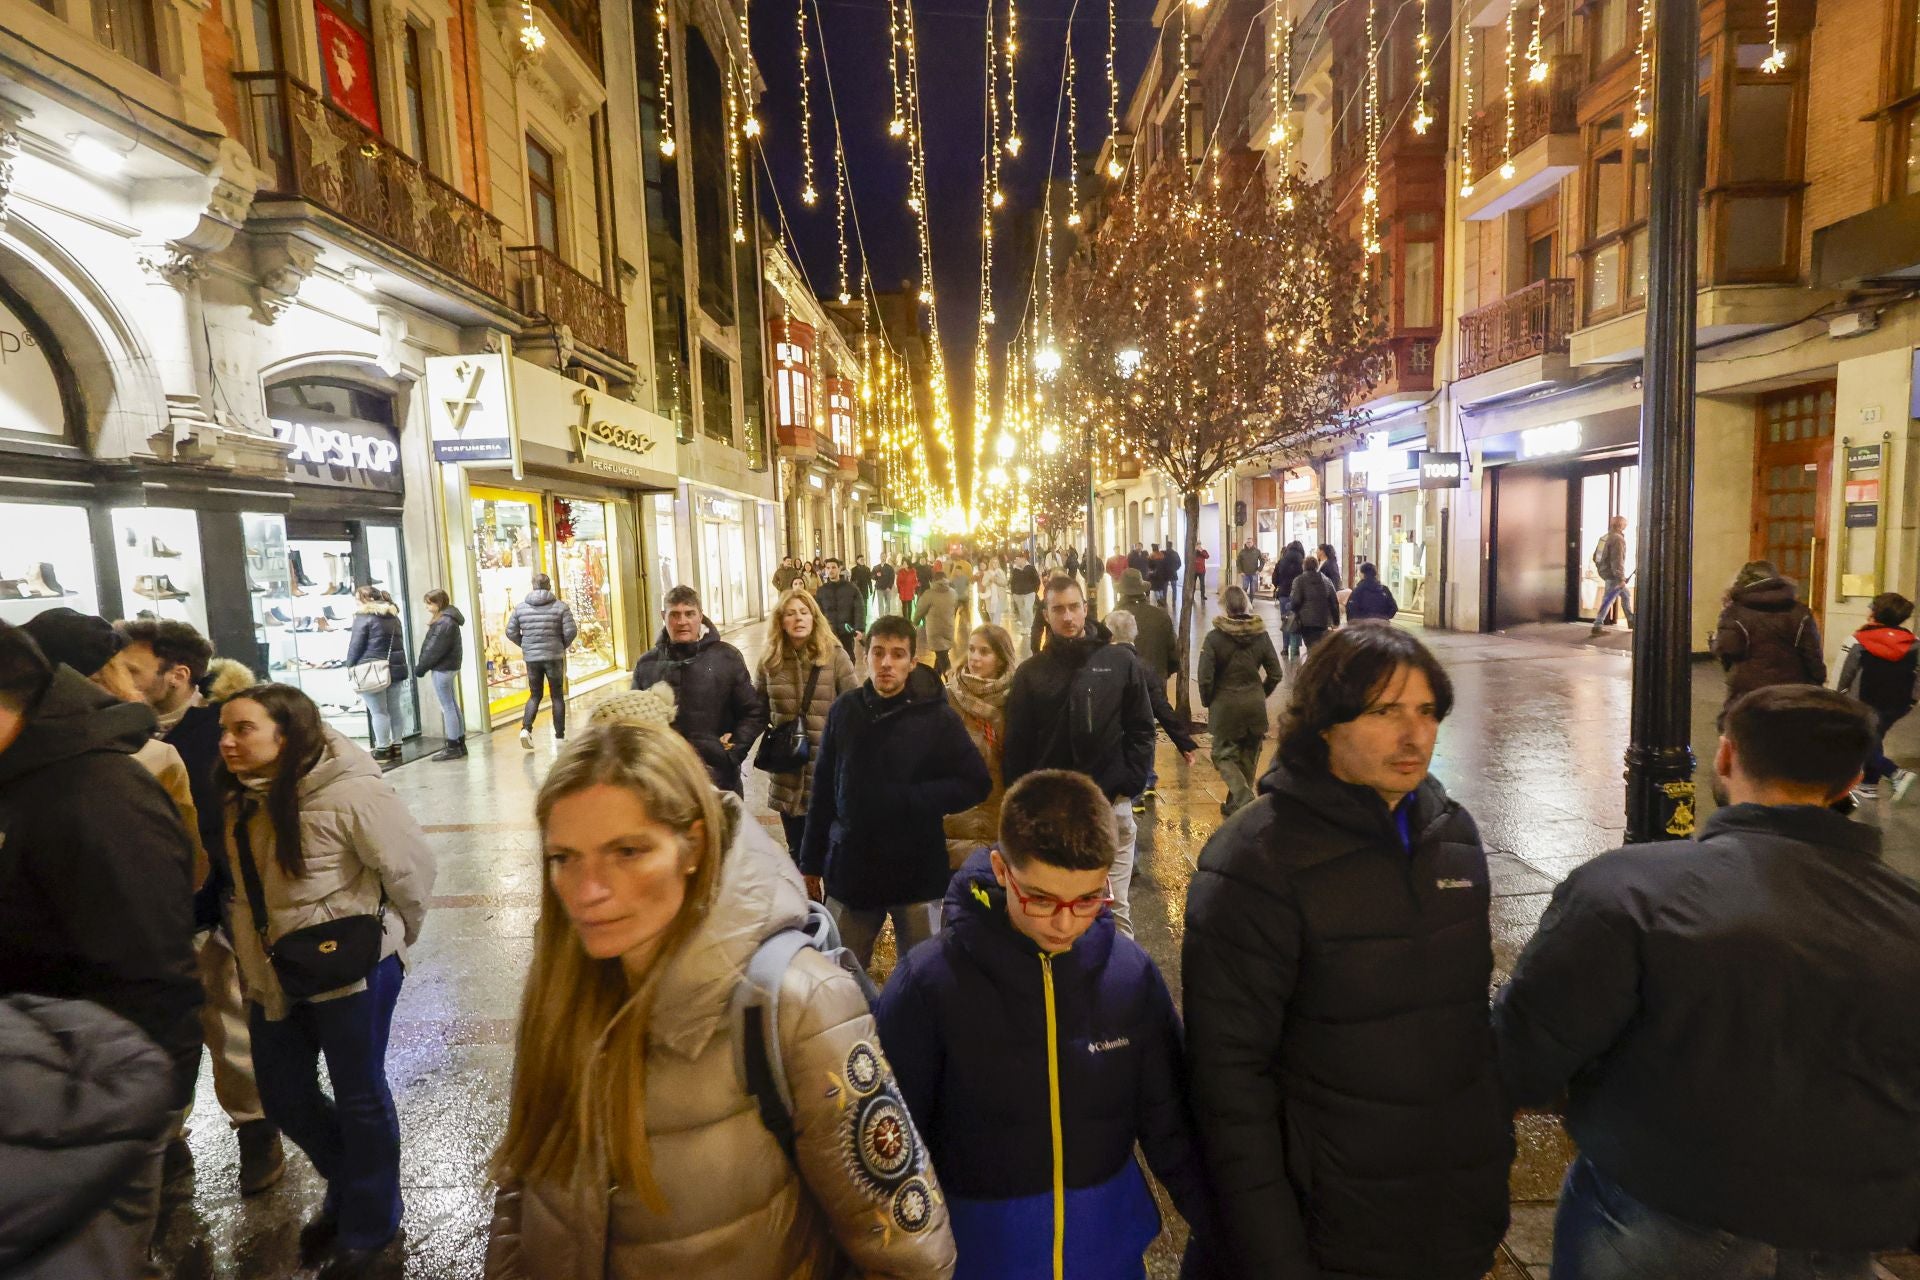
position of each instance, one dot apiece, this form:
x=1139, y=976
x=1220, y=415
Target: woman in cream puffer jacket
x=708, y=1191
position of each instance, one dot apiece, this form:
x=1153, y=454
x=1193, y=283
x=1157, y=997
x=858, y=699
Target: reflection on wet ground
x=1533, y=749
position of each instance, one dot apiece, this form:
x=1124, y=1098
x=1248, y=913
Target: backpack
x=755, y=1014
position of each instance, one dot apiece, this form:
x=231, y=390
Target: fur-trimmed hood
x=227, y=677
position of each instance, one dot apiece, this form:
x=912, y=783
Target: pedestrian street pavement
x=1533, y=749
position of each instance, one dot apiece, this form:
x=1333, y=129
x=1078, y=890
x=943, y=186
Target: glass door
x=1603, y=495
x=506, y=552
x=584, y=577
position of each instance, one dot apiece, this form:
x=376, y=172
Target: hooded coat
x=1343, y=1070
x=982, y=705
x=441, y=650
x=934, y=609
x=889, y=772
x=96, y=889
x=1315, y=600
x=86, y=1096
x=1285, y=571
x=1371, y=598
x=1766, y=637
x=362, y=848
x=1082, y=704
x=376, y=634
x=713, y=696
x=1238, y=669
x=1154, y=637
x=1881, y=669
x=1032, y=1076
x=781, y=685
x=543, y=626
x=736, y=1206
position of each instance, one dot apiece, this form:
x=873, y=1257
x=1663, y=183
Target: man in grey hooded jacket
x=543, y=626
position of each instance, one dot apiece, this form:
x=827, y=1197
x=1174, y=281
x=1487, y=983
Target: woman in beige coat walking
x=634, y=1148
x=799, y=644
x=978, y=691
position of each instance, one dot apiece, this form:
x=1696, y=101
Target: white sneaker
x=1866, y=793
x=1902, y=783
x=526, y=739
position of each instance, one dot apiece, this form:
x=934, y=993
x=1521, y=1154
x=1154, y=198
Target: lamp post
x=1659, y=759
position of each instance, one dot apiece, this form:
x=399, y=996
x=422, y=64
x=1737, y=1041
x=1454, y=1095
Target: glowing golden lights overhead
x=663, y=45
x=532, y=38
x=809, y=194
x=1513, y=98
x=1423, y=55
x=1536, y=57
x=1466, y=104
x=1370, y=197
x=1638, y=129
x=1776, y=61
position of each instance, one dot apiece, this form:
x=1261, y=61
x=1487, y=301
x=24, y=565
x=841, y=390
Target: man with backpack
x=895, y=759
x=1610, y=562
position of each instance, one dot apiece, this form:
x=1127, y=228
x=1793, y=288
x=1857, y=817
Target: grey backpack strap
x=756, y=1016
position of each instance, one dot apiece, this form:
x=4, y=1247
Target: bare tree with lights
x=1213, y=322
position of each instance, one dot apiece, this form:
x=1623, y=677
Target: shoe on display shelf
x=42, y=582
x=161, y=551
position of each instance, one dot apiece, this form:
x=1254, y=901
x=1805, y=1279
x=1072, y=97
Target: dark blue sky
x=951, y=41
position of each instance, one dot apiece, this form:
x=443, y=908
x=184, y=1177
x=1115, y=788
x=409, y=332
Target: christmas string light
x=1536, y=58
x=840, y=212
x=1466, y=105
x=808, y=194
x=663, y=42
x=743, y=67
x=1776, y=61
x=1370, y=195
x=1638, y=128
x=532, y=38
x=1013, y=115
x=1073, y=138
x=1513, y=100
x=898, y=125
x=1185, y=97
x=1114, y=169
x=735, y=133
x=1423, y=43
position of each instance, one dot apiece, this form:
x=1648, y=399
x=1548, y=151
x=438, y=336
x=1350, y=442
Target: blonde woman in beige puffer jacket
x=799, y=642
x=634, y=1150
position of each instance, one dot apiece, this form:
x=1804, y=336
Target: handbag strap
x=250, y=874
x=806, y=699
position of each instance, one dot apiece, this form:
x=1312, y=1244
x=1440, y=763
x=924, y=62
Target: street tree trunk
x=1183, y=699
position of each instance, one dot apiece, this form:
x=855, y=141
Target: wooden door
x=1793, y=468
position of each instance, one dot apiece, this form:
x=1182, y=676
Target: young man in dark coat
x=1371, y=598
x=1335, y=969
x=1731, y=1022
x=1036, y=1045
x=715, y=706
x=1080, y=704
x=841, y=602
x=96, y=892
x=894, y=761
x=862, y=578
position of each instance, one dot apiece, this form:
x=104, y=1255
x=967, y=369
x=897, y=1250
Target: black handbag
x=321, y=957
x=785, y=748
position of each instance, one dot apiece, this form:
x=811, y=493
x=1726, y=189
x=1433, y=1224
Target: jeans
x=1290, y=642
x=1022, y=615
x=446, y=687
x=913, y=924
x=1247, y=583
x=1120, y=880
x=540, y=677
x=886, y=602
x=1602, y=1233
x=383, y=708
x=354, y=1139
x=1616, y=590
x=1878, y=765
x=1238, y=760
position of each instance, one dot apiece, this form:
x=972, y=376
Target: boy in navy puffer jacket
x=1036, y=1045
x=1880, y=670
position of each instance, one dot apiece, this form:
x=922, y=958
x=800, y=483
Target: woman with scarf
x=804, y=664
x=978, y=691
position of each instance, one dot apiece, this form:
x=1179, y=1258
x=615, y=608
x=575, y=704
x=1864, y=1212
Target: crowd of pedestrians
x=707, y=1080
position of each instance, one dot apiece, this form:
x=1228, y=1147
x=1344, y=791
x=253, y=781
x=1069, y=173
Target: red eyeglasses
x=1045, y=906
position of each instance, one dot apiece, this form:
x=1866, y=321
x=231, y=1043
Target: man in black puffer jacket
x=842, y=605
x=715, y=707
x=1336, y=966
x=1079, y=704
x=894, y=761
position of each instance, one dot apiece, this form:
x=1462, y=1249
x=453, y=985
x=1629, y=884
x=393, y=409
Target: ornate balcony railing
x=313, y=151
x=551, y=290
x=1553, y=107
x=1535, y=321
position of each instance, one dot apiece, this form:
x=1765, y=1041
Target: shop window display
x=506, y=551
x=583, y=577
x=46, y=560
x=160, y=575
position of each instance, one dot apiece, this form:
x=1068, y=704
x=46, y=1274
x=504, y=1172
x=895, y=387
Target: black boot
x=456, y=749
x=262, y=1159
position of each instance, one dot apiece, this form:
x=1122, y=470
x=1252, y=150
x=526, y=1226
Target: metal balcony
x=1536, y=321
x=551, y=290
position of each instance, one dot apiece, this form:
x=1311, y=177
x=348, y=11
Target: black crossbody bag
x=785, y=749
x=321, y=957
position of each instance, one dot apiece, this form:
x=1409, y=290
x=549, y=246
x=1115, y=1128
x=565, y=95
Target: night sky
x=951, y=42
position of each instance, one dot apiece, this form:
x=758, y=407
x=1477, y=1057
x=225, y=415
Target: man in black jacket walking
x=96, y=894
x=1335, y=968
x=862, y=579
x=894, y=761
x=1732, y=1022
x=1023, y=585
x=1083, y=705
x=715, y=707
x=840, y=602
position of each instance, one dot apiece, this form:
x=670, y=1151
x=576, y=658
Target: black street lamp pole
x=1659, y=762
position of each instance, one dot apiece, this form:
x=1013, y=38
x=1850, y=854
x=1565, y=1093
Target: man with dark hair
x=894, y=761
x=1081, y=704
x=862, y=579
x=842, y=605
x=715, y=706
x=96, y=894
x=170, y=662
x=543, y=626
x=1023, y=585
x=1031, y=983
x=1336, y=965
x=885, y=600
x=1731, y=1022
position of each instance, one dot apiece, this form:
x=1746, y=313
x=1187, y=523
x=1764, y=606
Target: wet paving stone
x=1533, y=750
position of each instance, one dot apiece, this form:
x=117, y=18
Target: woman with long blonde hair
x=978, y=691
x=803, y=671
x=633, y=1146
